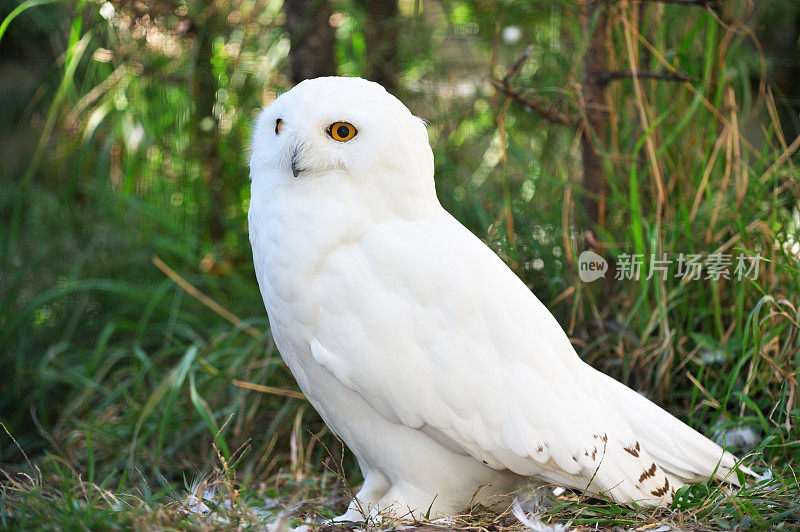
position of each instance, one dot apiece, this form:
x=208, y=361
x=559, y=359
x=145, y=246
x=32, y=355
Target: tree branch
x=517, y=65
x=545, y=108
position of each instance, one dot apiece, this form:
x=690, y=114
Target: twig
x=268, y=389
x=16, y=443
x=540, y=105
x=204, y=299
x=517, y=65
x=710, y=398
x=611, y=75
x=787, y=153
x=545, y=108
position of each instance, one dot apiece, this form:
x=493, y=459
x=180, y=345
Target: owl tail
x=677, y=448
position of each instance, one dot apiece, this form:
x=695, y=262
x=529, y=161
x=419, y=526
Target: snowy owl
x=446, y=377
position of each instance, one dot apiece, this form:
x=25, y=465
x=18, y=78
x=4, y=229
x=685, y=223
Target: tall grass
x=119, y=384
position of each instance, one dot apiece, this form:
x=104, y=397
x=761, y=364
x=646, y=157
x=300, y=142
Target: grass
x=56, y=495
x=129, y=309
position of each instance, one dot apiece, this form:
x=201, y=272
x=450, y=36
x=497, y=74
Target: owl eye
x=342, y=131
x=278, y=125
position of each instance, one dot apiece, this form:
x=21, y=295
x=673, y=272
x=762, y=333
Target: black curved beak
x=295, y=169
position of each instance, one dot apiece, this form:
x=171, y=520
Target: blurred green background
x=124, y=131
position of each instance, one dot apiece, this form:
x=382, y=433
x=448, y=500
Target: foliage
x=127, y=139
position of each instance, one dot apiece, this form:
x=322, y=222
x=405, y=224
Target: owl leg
x=404, y=501
x=375, y=486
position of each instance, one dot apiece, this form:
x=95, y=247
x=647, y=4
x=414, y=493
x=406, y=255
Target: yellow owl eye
x=278, y=124
x=342, y=131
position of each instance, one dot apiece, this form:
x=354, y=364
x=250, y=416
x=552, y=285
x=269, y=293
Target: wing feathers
x=467, y=353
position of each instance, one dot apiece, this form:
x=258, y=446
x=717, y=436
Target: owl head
x=343, y=127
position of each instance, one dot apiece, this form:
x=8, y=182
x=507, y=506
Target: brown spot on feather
x=662, y=491
x=631, y=450
x=649, y=473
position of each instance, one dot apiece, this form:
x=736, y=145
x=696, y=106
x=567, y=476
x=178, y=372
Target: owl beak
x=295, y=168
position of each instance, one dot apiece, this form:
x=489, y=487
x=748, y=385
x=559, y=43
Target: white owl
x=416, y=344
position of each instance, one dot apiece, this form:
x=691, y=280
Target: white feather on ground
x=533, y=522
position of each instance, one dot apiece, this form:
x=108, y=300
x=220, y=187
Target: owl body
x=314, y=269
x=446, y=377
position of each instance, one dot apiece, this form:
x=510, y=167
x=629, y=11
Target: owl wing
x=435, y=332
